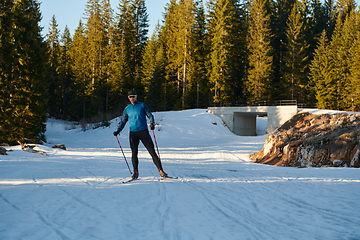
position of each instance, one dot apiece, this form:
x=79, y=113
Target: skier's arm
x=123, y=121
x=149, y=114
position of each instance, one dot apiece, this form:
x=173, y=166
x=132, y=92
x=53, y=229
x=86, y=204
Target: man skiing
x=136, y=113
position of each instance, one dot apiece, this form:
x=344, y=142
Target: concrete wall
x=244, y=124
x=242, y=120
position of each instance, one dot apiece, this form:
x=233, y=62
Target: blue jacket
x=136, y=115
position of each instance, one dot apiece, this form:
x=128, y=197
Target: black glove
x=116, y=133
x=152, y=126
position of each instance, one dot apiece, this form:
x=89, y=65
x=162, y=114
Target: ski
x=160, y=179
x=164, y=178
x=130, y=180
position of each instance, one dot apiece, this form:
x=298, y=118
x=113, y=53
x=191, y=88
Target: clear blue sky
x=69, y=12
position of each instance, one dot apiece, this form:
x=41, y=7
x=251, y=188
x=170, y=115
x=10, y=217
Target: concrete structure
x=242, y=120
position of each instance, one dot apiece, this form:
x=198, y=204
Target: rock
x=61, y=146
x=337, y=163
x=2, y=151
x=355, y=160
x=312, y=140
x=30, y=148
x=352, y=118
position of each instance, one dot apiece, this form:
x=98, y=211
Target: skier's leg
x=134, y=145
x=148, y=143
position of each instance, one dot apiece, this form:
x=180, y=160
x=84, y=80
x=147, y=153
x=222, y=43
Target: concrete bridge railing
x=242, y=120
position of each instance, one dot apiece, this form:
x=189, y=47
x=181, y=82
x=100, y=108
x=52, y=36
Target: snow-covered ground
x=220, y=194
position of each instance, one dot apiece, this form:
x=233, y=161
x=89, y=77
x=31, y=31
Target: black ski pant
x=145, y=138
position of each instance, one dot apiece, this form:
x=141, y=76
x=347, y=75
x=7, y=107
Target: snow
x=220, y=194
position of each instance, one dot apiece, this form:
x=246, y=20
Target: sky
x=69, y=12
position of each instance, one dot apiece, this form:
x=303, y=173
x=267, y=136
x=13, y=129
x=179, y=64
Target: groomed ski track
x=219, y=193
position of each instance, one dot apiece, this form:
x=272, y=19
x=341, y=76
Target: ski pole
x=123, y=154
x=156, y=144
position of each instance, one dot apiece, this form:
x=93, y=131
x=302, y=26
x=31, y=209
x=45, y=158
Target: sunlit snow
x=219, y=194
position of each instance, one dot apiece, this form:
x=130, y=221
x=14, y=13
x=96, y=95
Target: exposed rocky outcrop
x=313, y=140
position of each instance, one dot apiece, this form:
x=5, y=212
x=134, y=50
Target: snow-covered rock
x=314, y=140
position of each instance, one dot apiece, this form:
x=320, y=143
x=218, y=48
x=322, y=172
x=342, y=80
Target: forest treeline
x=213, y=53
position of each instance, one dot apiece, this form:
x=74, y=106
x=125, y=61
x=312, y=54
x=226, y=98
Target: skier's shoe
x=163, y=174
x=135, y=175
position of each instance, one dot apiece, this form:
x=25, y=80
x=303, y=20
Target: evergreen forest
x=202, y=53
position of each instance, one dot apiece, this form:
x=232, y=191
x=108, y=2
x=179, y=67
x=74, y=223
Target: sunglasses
x=132, y=96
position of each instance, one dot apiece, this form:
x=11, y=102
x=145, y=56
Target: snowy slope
x=220, y=193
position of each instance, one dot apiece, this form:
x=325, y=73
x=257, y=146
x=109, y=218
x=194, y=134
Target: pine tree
x=66, y=71
x=97, y=30
x=340, y=45
x=295, y=57
x=81, y=81
x=321, y=75
x=129, y=40
x=279, y=11
x=353, y=87
x=168, y=38
x=344, y=8
x=139, y=29
x=317, y=23
x=93, y=33
x=121, y=79
x=238, y=50
x=153, y=72
x=23, y=65
x=198, y=93
x=348, y=37
x=260, y=53
x=220, y=70
x=186, y=21
x=8, y=61
x=107, y=31
x=177, y=38
x=53, y=74
x=330, y=16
